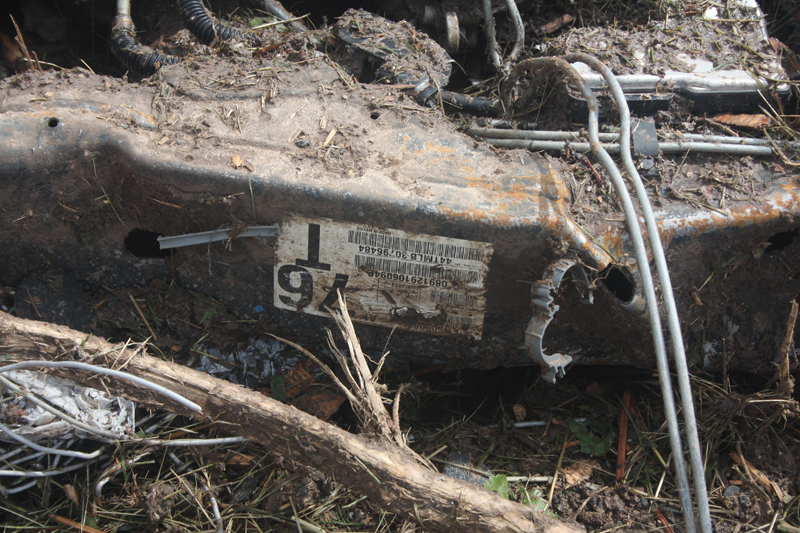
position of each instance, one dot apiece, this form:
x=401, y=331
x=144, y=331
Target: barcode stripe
x=415, y=246
x=460, y=321
x=454, y=299
x=416, y=269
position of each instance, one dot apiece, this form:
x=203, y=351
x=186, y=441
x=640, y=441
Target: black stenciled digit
x=313, y=251
x=305, y=289
x=338, y=283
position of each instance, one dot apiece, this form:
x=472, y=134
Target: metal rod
x=650, y=297
x=666, y=147
x=124, y=7
x=679, y=352
x=547, y=135
x=205, y=237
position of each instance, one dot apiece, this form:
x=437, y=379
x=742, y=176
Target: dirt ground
x=562, y=454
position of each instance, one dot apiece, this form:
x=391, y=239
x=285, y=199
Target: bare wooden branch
x=385, y=474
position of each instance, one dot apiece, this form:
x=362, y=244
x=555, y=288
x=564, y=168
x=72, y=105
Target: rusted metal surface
x=80, y=171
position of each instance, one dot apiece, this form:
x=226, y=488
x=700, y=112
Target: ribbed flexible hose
x=199, y=22
x=131, y=54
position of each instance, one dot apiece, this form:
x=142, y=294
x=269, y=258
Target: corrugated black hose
x=132, y=54
x=199, y=22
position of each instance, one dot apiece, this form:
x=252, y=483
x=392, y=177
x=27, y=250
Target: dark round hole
x=144, y=244
x=780, y=240
x=374, y=115
x=52, y=122
x=619, y=282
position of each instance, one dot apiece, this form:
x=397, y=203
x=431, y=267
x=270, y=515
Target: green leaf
x=85, y=238
x=534, y=499
x=256, y=21
x=498, y=484
x=208, y=314
x=279, y=388
x=595, y=436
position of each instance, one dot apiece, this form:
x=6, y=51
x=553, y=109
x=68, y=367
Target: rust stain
x=784, y=199
x=431, y=147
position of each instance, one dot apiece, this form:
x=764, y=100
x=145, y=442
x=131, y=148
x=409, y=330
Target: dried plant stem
x=402, y=487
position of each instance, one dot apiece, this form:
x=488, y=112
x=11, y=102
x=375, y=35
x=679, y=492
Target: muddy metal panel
x=421, y=227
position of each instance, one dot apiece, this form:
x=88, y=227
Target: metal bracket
x=543, y=295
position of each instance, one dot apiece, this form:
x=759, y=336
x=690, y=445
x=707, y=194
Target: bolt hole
x=374, y=115
x=52, y=122
x=144, y=244
x=780, y=240
x=619, y=282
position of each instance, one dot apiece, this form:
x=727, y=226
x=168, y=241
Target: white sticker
x=389, y=277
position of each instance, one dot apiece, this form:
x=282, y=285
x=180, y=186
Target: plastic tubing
x=682, y=368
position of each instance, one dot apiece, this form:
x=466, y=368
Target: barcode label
x=415, y=269
x=414, y=246
x=427, y=284
x=459, y=322
x=453, y=299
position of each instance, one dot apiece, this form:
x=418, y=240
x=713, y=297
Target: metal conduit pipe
x=647, y=282
x=725, y=139
x=548, y=135
x=679, y=352
x=539, y=135
x=666, y=147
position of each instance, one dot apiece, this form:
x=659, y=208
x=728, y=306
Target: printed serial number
x=407, y=279
x=385, y=252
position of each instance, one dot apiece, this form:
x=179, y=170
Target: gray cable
x=45, y=449
x=191, y=442
x=491, y=36
x=209, y=493
x=51, y=472
x=108, y=372
x=681, y=366
x=519, y=29
x=647, y=283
